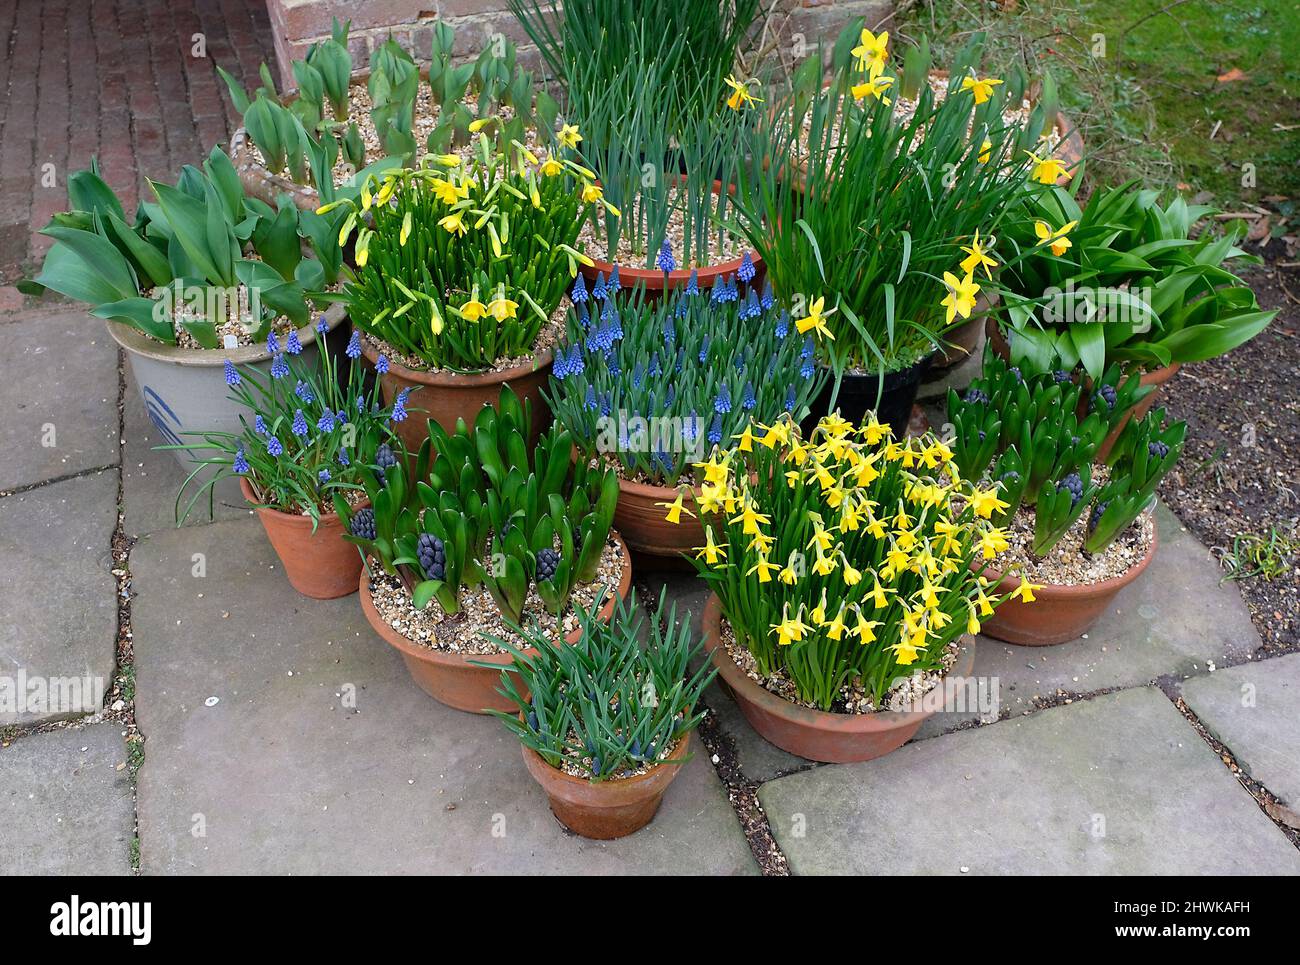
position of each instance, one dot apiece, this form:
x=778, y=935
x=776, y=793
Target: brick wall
x=296, y=24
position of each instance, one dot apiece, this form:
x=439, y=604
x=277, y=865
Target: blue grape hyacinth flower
x=321, y=327
x=241, y=461
x=323, y=475
x=232, y=374
x=665, y=261
x=693, y=283
x=272, y=344
x=299, y=427
x=399, y=406
x=579, y=293
x=715, y=430
x=326, y=422
x=598, y=290
x=381, y=365
x=723, y=401
x=292, y=345
x=746, y=270
x=279, y=367
x=303, y=391
x=353, y=350
x=273, y=447
x=259, y=426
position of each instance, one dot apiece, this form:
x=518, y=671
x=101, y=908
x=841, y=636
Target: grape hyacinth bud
x=232, y=376
x=590, y=400
x=321, y=327
x=749, y=400
x=704, y=349
x=1060, y=376
x=975, y=396
x=1095, y=517
x=1074, y=484
x=323, y=475
x=362, y=524
x=613, y=284
x=1107, y=395
x=693, y=283
x=1157, y=449
x=579, y=294
x=432, y=555
x=598, y=289
x=789, y=399
x=766, y=300
x=783, y=324
x=343, y=457
x=547, y=560
x=303, y=391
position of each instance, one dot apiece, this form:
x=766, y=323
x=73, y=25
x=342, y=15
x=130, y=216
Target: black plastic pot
x=859, y=393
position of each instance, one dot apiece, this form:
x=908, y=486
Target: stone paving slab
x=58, y=383
x=1255, y=710
x=1174, y=620
x=65, y=803
x=152, y=479
x=281, y=775
x=1120, y=784
x=58, y=606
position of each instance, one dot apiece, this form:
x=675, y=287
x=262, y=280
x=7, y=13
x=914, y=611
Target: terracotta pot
x=1059, y=613
x=445, y=397
x=321, y=565
x=654, y=280
x=1157, y=378
x=609, y=809
x=642, y=524
x=817, y=735
x=450, y=678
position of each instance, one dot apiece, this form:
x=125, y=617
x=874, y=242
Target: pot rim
x=137, y=343
x=288, y=519
x=654, y=278
x=447, y=659
x=626, y=786
x=797, y=715
x=459, y=380
x=1083, y=591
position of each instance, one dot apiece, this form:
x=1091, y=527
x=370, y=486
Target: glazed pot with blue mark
x=184, y=390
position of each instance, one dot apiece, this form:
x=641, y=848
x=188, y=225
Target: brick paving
x=117, y=80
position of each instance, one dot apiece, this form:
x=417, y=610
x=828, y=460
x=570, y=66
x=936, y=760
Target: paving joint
x=742, y=793
x=1265, y=799
x=68, y=477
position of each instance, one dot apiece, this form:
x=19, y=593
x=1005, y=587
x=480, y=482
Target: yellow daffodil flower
x=1048, y=170
x=960, y=299
x=986, y=151
x=448, y=160
x=1025, y=591
x=473, y=309
x=875, y=87
x=865, y=629
x=501, y=307
x=675, y=510
x=551, y=167
x=750, y=520
x=569, y=135
x=977, y=257
x=711, y=552
x=1056, y=239
x=816, y=320
x=871, y=52
x=981, y=88
x=835, y=629
x=764, y=570
x=986, y=501
x=740, y=97
x=993, y=542
x=454, y=223
x=790, y=631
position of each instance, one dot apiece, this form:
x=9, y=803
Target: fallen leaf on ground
x=1234, y=74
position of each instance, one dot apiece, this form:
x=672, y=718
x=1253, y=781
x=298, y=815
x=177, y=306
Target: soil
x=593, y=241
x=1067, y=564
x=479, y=615
x=1237, y=474
x=547, y=336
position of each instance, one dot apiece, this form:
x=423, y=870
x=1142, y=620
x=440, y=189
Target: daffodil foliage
x=888, y=216
x=460, y=264
x=845, y=555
